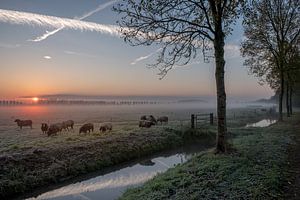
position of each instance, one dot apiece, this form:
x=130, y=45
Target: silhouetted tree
x=183, y=27
x=292, y=73
x=271, y=29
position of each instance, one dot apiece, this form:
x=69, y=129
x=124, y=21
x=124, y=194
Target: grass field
x=30, y=159
x=256, y=168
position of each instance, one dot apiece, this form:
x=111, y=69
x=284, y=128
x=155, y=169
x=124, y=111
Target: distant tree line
x=10, y=102
x=79, y=102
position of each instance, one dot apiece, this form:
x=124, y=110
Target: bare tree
x=271, y=28
x=182, y=28
x=292, y=72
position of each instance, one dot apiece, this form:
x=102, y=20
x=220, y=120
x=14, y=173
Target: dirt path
x=292, y=187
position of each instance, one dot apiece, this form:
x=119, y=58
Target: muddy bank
x=26, y=170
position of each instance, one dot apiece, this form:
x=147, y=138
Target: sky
x=73, y=47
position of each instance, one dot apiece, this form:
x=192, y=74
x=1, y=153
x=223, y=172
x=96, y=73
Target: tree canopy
x=272, y=33
x=182, y=28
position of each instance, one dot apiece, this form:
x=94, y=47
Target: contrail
x=49, y=33
x=46, y=35
x=79, y=54
x=100, y=7
x=144, y=57
x=26, y=18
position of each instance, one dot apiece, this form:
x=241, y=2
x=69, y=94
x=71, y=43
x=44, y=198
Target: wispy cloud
x=231, y=50
x=49, y=33
x=17, y=17
x=47, y=57
x=144, y=57
x=9, y=46
x=79, y=54
x=46, y=35
x=99, y=8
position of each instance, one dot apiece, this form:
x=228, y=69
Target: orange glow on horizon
x=35, y=99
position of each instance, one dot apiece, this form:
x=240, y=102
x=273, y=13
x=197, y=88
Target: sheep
x=145, y=123
x=59, y=126
x=44, y=127
x=22, y=123
x=105, y=127
x=152, y=119
x=144, y=117
x=149, y=118
x=163, y=119
x=54, y=129
x=67, y=124
x=86, y=128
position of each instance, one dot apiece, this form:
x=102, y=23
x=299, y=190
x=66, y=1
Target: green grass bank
x=256, y=169
x=29, y=167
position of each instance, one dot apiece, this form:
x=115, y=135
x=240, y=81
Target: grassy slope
x=255, y=171
x=24, y=169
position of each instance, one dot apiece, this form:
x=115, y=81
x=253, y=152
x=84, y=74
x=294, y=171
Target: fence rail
x=197, y=118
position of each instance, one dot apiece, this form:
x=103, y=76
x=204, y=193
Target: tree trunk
x=291, y=100
x=287, y=100
x=221, y=95
x=281, y=92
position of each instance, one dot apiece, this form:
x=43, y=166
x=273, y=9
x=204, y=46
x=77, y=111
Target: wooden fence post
x=192, y=121
x=211, y=118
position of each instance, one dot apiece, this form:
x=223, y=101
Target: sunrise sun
x=35, y=99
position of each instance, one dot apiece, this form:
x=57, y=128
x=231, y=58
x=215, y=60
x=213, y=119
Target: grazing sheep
x=59, y=126
x=145, y=123
x=163, y=119
x=89, y=127
x=67, y=124
x=105, y=127
x=152, y=119
x=22, y=123
x=149, y=118
x=54, y=129
x=144, y=117
x=44, y=127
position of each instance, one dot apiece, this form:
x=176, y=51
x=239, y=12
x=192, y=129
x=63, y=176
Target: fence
x=196, y=119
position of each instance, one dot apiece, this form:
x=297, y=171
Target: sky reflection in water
x=112, y=185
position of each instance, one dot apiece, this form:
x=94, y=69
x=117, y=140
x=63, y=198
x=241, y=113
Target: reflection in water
x=112, y=185
x=96, y=184
x=147, y=163
x=262, y=123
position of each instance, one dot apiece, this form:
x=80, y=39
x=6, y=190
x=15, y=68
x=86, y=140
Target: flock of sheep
x=145, y=121
x=148, y=120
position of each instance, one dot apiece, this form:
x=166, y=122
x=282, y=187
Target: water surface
x=262, y=123
x=112, y=184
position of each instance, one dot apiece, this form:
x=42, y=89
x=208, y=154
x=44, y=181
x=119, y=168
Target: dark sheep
x=144, y=117
x=145, y=123
x=59, y=126
x=44, y=127
x=150, y=118
x=89, y=127
x=105, y=127
x=68, y=124
x=53, y=129
x=22, y=123
x=163, y=119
